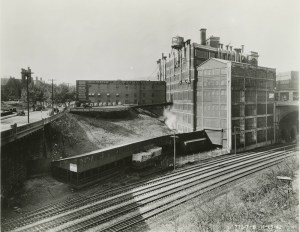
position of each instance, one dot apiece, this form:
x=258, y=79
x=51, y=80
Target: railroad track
x=81, y=213
x=78, y=200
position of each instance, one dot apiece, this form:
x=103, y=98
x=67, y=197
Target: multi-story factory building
x=220, y=89
x=108, y=93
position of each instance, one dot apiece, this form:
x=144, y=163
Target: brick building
x=107, y=93
x=219, y=89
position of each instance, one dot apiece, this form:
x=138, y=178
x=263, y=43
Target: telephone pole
x=52, y=95
x=26, y=74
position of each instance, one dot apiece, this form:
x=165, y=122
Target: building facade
x=239, y=99
x=181, y=67
x=108, y=93
x=287, y=86
x=219, y=89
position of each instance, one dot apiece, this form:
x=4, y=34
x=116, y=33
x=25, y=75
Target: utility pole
x=174, y=136
x=52, y=95
x=235, y=127
x=235, y=140
x=27, y=74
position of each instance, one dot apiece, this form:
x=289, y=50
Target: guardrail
x=16, y=133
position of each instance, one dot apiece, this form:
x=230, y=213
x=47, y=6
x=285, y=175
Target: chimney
x=203, y=36
x=227, y=47
x=36, y=78
x=242, y=48
x=230, y=48
x=221, y=45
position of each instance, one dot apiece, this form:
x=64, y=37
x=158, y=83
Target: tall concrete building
x=220, y=90
x=108, y=93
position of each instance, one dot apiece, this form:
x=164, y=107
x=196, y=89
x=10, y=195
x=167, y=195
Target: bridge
x=17, y=132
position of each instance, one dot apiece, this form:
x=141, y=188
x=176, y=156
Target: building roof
x=214, y=60
x=228, y=61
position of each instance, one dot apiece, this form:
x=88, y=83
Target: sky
x=70, y=40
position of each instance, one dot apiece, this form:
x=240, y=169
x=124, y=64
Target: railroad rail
x=13, y=134
x=123, y=207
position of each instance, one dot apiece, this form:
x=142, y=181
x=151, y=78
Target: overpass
x=17, y=132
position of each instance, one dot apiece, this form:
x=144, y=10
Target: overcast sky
x=121, y=39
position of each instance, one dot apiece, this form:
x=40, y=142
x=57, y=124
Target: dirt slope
x=107, y=132
x=80, y=134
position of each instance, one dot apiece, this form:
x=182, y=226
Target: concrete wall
x=22, y=158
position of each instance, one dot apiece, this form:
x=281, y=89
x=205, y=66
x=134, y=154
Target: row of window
x=185, y=84
x=117, y=95
x=183, y=117
x=251, y=110
x=252, y=123
x=114, y=103
x=185, y=95
x=185, y=107
x=178, y=77
x=212, y=72
x=252, y=72
x=135, y=86
x=284, y=96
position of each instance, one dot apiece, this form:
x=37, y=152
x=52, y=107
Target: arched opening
x=289, y=127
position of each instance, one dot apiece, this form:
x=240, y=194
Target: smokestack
x=203, y=36
x=242, y=48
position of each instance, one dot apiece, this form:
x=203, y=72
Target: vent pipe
x=203, y=36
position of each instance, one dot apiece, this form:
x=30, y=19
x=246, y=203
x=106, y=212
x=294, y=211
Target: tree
x=63, y=94
x=11, y=90
x=37, y=93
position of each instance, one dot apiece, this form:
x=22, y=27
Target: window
x=295, y=96
x=126, y=95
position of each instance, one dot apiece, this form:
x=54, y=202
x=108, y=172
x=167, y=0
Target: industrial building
x=108, y=93
x=220, y=90
x=287, y=86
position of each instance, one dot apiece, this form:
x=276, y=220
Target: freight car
x=147, y=158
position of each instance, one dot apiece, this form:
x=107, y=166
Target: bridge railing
x=14, y=132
